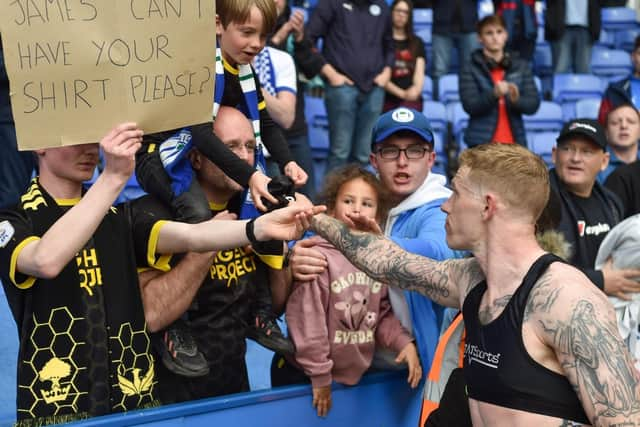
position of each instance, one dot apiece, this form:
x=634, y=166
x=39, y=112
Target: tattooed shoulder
x=543, y=296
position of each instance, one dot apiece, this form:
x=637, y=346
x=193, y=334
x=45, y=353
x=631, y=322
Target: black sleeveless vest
x=497, y=367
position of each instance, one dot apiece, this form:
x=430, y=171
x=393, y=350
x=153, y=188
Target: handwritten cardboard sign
x=78, y=67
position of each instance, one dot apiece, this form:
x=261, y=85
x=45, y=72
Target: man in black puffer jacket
x=496, y=88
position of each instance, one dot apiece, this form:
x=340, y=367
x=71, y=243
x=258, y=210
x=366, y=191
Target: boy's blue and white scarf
x=173, y=151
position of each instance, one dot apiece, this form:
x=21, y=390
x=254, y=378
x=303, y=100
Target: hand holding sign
x=77, y=67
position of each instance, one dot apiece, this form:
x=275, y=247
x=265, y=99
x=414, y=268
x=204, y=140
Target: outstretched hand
x=287, y=223
x=363, y=223
x=119, y=147
x=409, y=354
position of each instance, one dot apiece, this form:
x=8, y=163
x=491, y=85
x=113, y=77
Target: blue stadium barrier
x=381, y=399
x=8, y=356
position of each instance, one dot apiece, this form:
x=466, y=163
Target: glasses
x=584, y=152
x=412, y=152
x=401, y=12
x=237, y=147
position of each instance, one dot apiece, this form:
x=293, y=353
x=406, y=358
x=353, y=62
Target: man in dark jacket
x=572, y=27
x=589, y=210
x=496, y=88
x=625, y=91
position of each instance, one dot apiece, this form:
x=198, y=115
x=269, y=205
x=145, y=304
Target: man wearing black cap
x=589, y=210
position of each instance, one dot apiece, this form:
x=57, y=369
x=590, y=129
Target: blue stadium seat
x=425, y=35
x=540, y=7
x=606, y=39
x=587, y=108
x=572, y=87
x=448, y=88
x=542, y=144
x=437, y=114
x=427, y=89
x=618, y=18
x=485, y=8
x=422, y=18
x=540, y=38
x=459, y=119
x=538, y=84
x=547, y=118
x=625, y=39
x=318, y=125
x=440, y=165
x=610, y=63
x=542, y=60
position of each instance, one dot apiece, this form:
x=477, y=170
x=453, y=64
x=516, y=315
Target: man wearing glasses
x=589, y=210
x=402, y=153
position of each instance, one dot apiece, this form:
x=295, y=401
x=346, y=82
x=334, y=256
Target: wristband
x=249, y=231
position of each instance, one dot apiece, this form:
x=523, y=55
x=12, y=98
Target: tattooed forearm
x=598, y=365
x=385, y=261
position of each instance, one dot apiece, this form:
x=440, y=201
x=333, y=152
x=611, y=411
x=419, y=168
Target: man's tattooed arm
x=444, y=282
x=584, y=335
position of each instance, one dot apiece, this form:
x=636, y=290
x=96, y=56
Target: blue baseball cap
x=401, y=118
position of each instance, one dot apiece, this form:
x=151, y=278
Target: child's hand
x=409, y=354
x=322, y=400
x=363, y=223
x=296, y=173
x=258, y=187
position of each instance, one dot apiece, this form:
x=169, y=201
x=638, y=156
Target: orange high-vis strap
x=448, y=356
